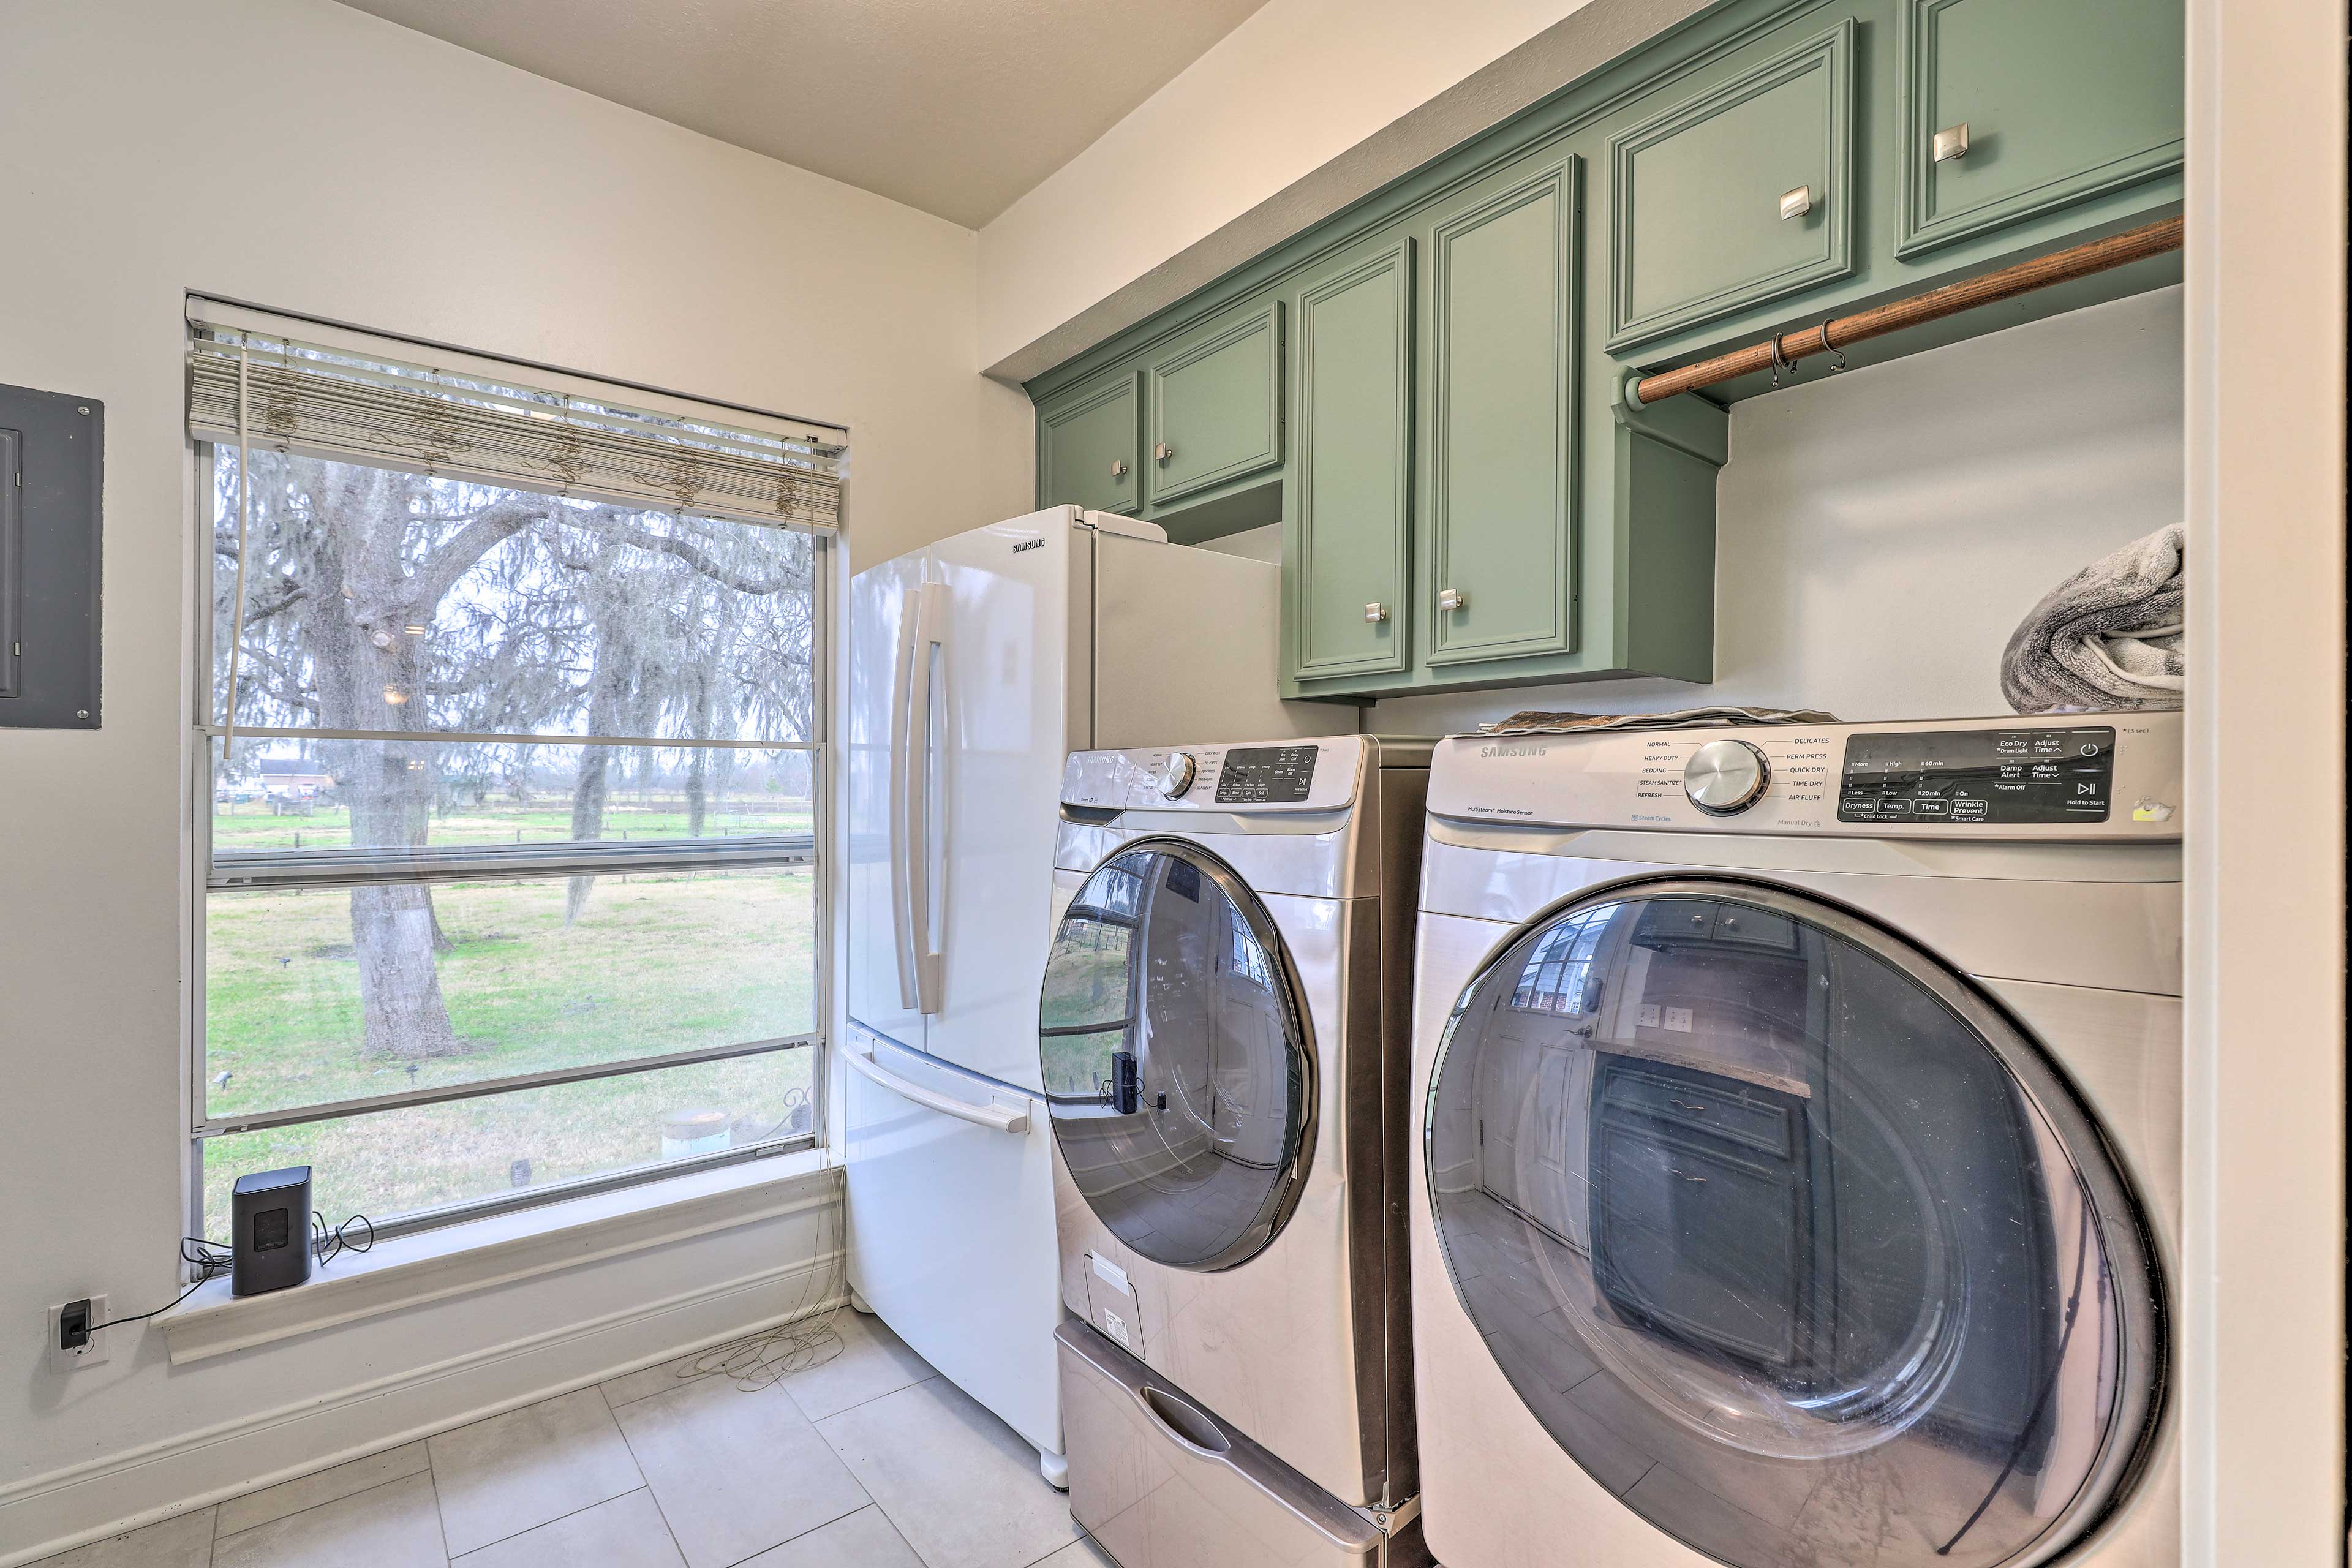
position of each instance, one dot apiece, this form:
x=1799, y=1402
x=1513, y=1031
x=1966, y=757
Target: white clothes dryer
x=1798, y=1112
x=1224, y=1033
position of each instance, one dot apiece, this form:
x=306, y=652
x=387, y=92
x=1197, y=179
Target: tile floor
x=869, y=1460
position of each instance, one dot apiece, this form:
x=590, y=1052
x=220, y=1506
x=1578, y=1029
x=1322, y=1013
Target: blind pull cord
x=244, y=517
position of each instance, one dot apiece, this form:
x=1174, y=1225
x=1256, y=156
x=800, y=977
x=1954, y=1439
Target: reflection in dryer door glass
x=1173, y=1060
x=1762, y=1217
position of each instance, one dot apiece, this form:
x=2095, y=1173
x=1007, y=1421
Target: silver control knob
x=1724, y=777
x=1178, y=775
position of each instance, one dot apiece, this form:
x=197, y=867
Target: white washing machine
x=1800, y=1176
x=1225, y=1031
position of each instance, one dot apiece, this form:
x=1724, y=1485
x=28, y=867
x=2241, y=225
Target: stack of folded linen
x=2108, y=637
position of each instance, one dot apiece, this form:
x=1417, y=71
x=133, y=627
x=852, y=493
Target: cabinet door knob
x=1796, y=203
x=1376, y=612
x=1119, y=468
x=1451, y=599
x=1163, y=451
x=1951, y=142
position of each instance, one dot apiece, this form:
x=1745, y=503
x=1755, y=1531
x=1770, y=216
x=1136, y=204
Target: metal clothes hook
x=1829, y=347
x=1780, y=362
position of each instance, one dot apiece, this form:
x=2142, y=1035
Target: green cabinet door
x=1086, y=450
x=1739, y=194
x=1501, y=353
x=1215, y=406
x=1353, y=471
x=2014, y=108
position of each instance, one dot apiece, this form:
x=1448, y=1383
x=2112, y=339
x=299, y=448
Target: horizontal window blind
x=249, y=385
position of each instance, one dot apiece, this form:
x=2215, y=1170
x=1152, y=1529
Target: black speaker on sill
x=270, y=1231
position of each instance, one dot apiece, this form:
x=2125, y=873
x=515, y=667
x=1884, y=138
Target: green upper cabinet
x=2013, y=109
x=1429, y=391
x=1737, y=194
x=1501, y=390
x=1215, y=408
x=1088, y=449
x=1352, y=475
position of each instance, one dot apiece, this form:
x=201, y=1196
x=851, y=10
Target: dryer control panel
x=2079, y=776
x=1980, y=775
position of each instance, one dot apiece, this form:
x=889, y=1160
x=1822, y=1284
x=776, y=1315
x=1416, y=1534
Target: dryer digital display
x=1266, y=776
x=1979, y=776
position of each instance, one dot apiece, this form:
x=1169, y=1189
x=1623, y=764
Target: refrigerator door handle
x=924, y=695
x=901, y=746
x=999, y=1116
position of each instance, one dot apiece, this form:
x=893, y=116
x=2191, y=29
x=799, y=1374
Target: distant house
x=292, y=778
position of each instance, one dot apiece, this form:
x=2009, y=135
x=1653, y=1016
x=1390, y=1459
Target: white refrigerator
x=976, y=666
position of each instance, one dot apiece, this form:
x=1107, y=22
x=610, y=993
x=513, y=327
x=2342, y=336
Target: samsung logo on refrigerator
x=1038, y=544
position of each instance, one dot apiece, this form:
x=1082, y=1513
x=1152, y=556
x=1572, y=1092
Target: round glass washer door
x=1789, y=1238
x=1177, y=1066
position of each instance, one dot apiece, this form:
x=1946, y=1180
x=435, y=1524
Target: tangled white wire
x=803, y=1339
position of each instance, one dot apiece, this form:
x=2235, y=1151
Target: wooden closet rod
x=1843, y=332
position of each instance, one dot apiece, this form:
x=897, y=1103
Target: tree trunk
x=587, y=821
x=400, y=990
x=697, y=793
x=395, y=933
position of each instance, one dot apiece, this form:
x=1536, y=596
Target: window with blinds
x=512, y=729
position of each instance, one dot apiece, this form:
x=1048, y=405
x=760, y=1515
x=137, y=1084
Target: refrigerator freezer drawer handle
x=1001, y=1117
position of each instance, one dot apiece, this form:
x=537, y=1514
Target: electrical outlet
x=94, y=1348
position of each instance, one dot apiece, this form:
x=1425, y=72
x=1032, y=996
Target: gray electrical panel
x=52, y=459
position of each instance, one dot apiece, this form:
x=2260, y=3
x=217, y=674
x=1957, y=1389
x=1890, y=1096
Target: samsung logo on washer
x=1038, y=544
x=1512, y=749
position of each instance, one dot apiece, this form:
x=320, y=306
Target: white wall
x=1281, y=96
x=1880, y=533
x=303, y=155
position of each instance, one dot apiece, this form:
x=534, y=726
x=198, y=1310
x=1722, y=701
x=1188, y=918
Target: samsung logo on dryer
x=1038, y=544
x=1512, y=749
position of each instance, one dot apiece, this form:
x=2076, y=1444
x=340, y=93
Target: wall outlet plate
x=99, y=1348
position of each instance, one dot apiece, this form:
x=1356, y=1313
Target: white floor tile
x=1080, y=1553
x=648, y=1380
x=626, y=1532
x=515, y=1472
x=185, y=1542
x=961, y=1486
x=735, y=1472
x=391, y=1526
x=872, y=1362
x=320, y=1487
x=865, y=1538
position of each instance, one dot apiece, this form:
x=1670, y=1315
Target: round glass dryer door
x=1177, y=1066
x=1789, y=1238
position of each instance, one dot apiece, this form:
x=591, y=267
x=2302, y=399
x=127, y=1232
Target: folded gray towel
x=2108, y=637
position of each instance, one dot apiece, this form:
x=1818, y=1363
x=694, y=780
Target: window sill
x=498, y=1250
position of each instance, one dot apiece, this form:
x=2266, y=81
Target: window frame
x=560, y=859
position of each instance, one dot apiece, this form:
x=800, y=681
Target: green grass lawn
x=652, y=964
x=398, y=1162
x=258, y=824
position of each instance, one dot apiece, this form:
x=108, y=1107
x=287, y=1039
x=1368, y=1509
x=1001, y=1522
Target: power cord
x=327, y=1245
x=211, y=1260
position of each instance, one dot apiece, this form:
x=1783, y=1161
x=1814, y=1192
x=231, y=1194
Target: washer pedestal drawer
x=1159, y=1482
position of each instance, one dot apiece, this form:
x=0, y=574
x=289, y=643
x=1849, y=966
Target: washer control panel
x=1266, y=776
x=1929, y=776
x=1296, y=776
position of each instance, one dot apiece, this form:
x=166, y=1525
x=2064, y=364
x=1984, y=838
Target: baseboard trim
x=73, y=1506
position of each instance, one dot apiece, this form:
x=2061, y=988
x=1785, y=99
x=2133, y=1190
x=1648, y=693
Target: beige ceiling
x=956, y=107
